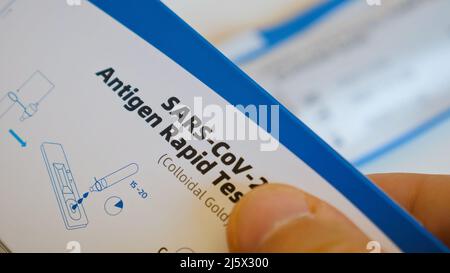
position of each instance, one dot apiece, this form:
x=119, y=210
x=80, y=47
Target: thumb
x=281, y=218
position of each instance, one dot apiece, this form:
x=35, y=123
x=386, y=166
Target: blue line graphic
x=6, y=7
x=22, y=142
x=405, y=138
x=276, y=35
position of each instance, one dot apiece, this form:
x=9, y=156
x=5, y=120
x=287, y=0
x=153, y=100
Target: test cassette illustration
x=24, y=102
x=64, y=186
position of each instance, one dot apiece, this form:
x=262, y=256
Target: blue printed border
x=158, y=25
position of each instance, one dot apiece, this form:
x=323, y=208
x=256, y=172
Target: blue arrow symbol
x=119, y=204
x=18, y=138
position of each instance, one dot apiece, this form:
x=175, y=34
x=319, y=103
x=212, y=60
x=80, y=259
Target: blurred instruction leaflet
x=365, y=78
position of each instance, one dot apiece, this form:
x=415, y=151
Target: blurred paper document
x=365, y=78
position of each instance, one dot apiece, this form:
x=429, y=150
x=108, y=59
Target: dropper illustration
x=114, y=178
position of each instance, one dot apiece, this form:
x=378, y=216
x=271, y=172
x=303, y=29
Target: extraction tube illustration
x=114, y=178
x=27, y=97
x=64, y=186
x=28, y=111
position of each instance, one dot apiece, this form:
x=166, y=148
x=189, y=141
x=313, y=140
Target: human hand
x=281, y=218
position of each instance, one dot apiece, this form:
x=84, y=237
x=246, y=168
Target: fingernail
x=261, y=212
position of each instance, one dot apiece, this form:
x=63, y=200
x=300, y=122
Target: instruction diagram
x=24, y=102
x=113, y=206
x=64, y=186
x=70, y=202
x=114, y=177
